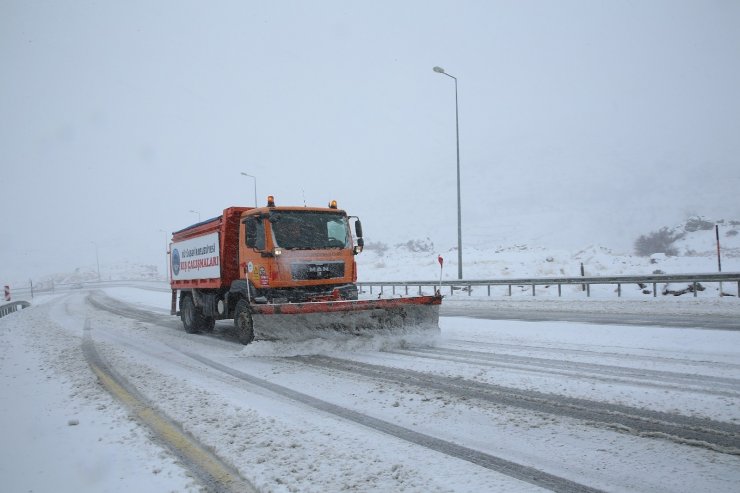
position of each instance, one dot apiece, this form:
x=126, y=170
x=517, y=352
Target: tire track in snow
x=601, y=354
x=714, y=435
x=497, y=464
x=722, y=386
x=521, y=472
x=102, y=301
x=711, y=434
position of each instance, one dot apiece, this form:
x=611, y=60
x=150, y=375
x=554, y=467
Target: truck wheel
x=189, y=315
x=209, y=323
x=243, y=322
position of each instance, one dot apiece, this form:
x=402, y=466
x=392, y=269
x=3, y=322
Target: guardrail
x=693, y=281
x=12, y=307
x=67, y=286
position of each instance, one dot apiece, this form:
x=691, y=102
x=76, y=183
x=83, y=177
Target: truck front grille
x=303, y=271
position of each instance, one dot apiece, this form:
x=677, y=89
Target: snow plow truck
x=283, y=273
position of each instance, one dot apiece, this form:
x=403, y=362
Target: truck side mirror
x=360, y=242
x=359, y=247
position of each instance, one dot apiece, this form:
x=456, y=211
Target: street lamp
x=97, y=258
x=195, y=212
x=255, y=187
x=440, y=70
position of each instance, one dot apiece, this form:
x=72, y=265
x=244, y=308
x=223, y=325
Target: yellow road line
x=217, y=476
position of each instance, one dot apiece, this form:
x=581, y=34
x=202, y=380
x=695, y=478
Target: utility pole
x=719, y=258
x=97, y=258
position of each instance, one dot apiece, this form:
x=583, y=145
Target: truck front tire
x=243, y=322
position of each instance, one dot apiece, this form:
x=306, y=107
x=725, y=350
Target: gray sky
x=580, y=121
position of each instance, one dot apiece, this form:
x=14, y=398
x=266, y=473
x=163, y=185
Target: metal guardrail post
x=619, y=290
x=559, y=290
x=655, y=290
x=533, y=295
x=583, y=274
x=588, y=290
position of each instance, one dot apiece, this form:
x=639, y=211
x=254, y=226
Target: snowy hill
x=417, y=260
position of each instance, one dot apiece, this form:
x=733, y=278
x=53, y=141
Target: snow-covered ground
x=63, y=432
x=696, y=252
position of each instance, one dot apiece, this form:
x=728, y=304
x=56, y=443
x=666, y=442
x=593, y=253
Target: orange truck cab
x=298, y=254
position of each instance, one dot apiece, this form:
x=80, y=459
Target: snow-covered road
x=490, y=405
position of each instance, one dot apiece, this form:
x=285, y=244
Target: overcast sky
x=580, y=121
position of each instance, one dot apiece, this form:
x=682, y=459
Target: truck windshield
x=297, y=230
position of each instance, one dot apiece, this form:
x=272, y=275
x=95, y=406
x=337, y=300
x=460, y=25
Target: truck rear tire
x=192, y=318
x=243, y=322
x=209, y=323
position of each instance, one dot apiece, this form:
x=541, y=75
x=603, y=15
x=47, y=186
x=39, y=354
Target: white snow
x=60, y=430
x=283, y=446
x=63, y=432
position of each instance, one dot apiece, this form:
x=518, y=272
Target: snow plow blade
x=302, y=321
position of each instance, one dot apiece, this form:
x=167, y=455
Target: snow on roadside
x=63, y=432
x=124, y=448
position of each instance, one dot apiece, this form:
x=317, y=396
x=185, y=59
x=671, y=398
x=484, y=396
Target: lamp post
x=255, y=186
x=195, y=212
x=440, y=70
x=97, y=258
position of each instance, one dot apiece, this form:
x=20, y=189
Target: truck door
x=253, y=265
